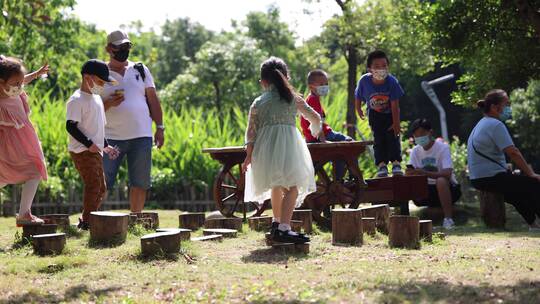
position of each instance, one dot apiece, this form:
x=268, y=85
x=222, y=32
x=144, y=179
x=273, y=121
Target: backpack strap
x=140, y=68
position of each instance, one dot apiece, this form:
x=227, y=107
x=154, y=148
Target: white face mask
x=97, y=89
x=323, y=90
x=14, y=91
x=380, y=74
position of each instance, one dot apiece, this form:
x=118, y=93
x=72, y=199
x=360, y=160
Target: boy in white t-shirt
x=85, y=123
x=432, y=158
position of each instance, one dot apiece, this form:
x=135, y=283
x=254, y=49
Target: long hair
x=493, y=97
x=9, y=67
x=275, y=71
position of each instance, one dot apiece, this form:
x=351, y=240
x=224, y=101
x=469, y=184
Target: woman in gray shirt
x=488, y=143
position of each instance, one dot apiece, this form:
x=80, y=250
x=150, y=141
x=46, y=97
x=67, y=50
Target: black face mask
x=121, y=55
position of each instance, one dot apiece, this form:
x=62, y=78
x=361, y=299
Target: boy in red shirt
x=318, y=86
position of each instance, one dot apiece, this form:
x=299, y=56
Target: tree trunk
x=426, y=230
x=380, y=213
x=227, y=223
x=493, y=209
x=31, y=230
x=108, y=228
x=306, y=217
x=153, y=216
x=46, y=244
x=352, y=62
x=185, y=234
x=369, y=225
x=226, y=233
x=404, y=232
x=261, y=223
x=160, y=243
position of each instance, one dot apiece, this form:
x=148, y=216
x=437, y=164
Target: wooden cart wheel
x=229, y=194
x=331, y=192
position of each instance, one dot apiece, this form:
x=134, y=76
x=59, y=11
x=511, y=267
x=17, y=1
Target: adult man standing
x=130, y=108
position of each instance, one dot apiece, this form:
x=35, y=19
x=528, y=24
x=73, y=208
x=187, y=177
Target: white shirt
x=87, y=110
x=435, y=159
x=131, y=119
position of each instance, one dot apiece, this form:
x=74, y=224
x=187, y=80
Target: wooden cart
x=351, y=192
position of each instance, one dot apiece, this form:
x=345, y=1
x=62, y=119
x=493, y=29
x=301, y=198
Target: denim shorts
x=139, y=159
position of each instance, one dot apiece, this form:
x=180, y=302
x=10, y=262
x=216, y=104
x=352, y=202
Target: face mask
x=13, y=91
x=97, y=89
x=422, y=140
x=121, y=55
x=506, y=113
x=380, y=74
x=323, y=90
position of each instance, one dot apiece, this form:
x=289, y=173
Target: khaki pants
x=90, y=167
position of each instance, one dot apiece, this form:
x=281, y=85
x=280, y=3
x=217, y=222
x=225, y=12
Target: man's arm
x=156, y=113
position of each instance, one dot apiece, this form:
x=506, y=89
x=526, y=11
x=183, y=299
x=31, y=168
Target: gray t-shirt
x=490, y=137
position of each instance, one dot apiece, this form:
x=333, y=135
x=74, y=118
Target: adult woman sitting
x=486, y=148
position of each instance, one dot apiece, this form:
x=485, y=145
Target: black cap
x=98, y=68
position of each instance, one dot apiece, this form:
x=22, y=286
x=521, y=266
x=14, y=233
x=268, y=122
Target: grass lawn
x=470, y=265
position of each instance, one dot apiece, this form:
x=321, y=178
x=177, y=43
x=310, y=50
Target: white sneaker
x=382, y=171
x=448, y=223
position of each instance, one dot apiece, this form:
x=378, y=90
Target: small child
x=21, y=157
x=278, y=164
x=318, y=86
x=86, y=127
x=381, y=92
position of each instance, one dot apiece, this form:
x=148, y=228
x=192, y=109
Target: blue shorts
x=139, y=159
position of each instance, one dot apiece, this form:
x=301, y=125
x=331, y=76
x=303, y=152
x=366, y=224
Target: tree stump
x=146, y=222
x=297, y=226
x=291, y=248
x=62, y=220
x=347, y=226
x=368, y=225
x=380, y=213
x=160, y=243
x=31, y=230
x=132, y=220
x=214, y=237
x=262, y=223
x=304, y=215
x=46, y=244
x=268, y=239
x=226, y=233
x=404, y=232
x=185, y=234
x=108, y=228
x=153, y=216
x=227, y=223
x=426, y=230
x=493, y=209
x=191, y=221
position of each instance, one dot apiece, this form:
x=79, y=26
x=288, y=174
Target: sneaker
x=382, y=172
x=396, y=170
x=448, y=223
x=83, y=225
x=274, y=227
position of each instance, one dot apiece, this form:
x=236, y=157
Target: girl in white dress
x=278, y=165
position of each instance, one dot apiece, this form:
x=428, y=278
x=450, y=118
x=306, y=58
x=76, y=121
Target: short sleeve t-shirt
x=313, y=101
x=490, y=137
x=131, y=119
x=87, y=110
x=435, y=159
x=378, y=97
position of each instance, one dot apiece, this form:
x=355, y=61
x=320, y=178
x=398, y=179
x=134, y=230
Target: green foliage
x=526, y=120
x=496, y=47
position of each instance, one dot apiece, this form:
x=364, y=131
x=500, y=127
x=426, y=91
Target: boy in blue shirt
x=381, y=93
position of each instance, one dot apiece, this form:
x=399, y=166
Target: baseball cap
x=117, y=38
x=98, y=68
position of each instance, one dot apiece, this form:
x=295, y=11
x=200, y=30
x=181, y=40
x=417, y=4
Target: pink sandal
x=25, y=221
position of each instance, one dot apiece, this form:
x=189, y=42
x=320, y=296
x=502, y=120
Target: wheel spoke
x=235, y=205
x=229, y=197
x=232, y=176
x=229, y=186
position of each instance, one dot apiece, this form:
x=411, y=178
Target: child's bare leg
x=277, y=203
x=29, y=190
x=289, y=202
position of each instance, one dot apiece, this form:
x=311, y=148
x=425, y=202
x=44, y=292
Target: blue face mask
x=506, y=113
x=323, y=90
x=422, y=140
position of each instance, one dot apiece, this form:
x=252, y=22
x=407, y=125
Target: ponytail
x=275, y=71
x=493, y=97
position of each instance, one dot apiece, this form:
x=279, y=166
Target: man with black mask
x=130, y=108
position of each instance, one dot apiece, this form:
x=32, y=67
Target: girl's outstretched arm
x=311, y=115
x=35, y=75
x=251, y=136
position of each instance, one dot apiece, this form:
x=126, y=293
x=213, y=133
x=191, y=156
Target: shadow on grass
x=271, y=256
x=443, y=291
x=70, y=294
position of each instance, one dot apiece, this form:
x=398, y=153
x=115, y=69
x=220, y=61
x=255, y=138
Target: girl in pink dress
x=21, y=157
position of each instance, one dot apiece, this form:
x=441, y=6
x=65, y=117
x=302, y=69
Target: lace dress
x=21, y=157
x=280, y=154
